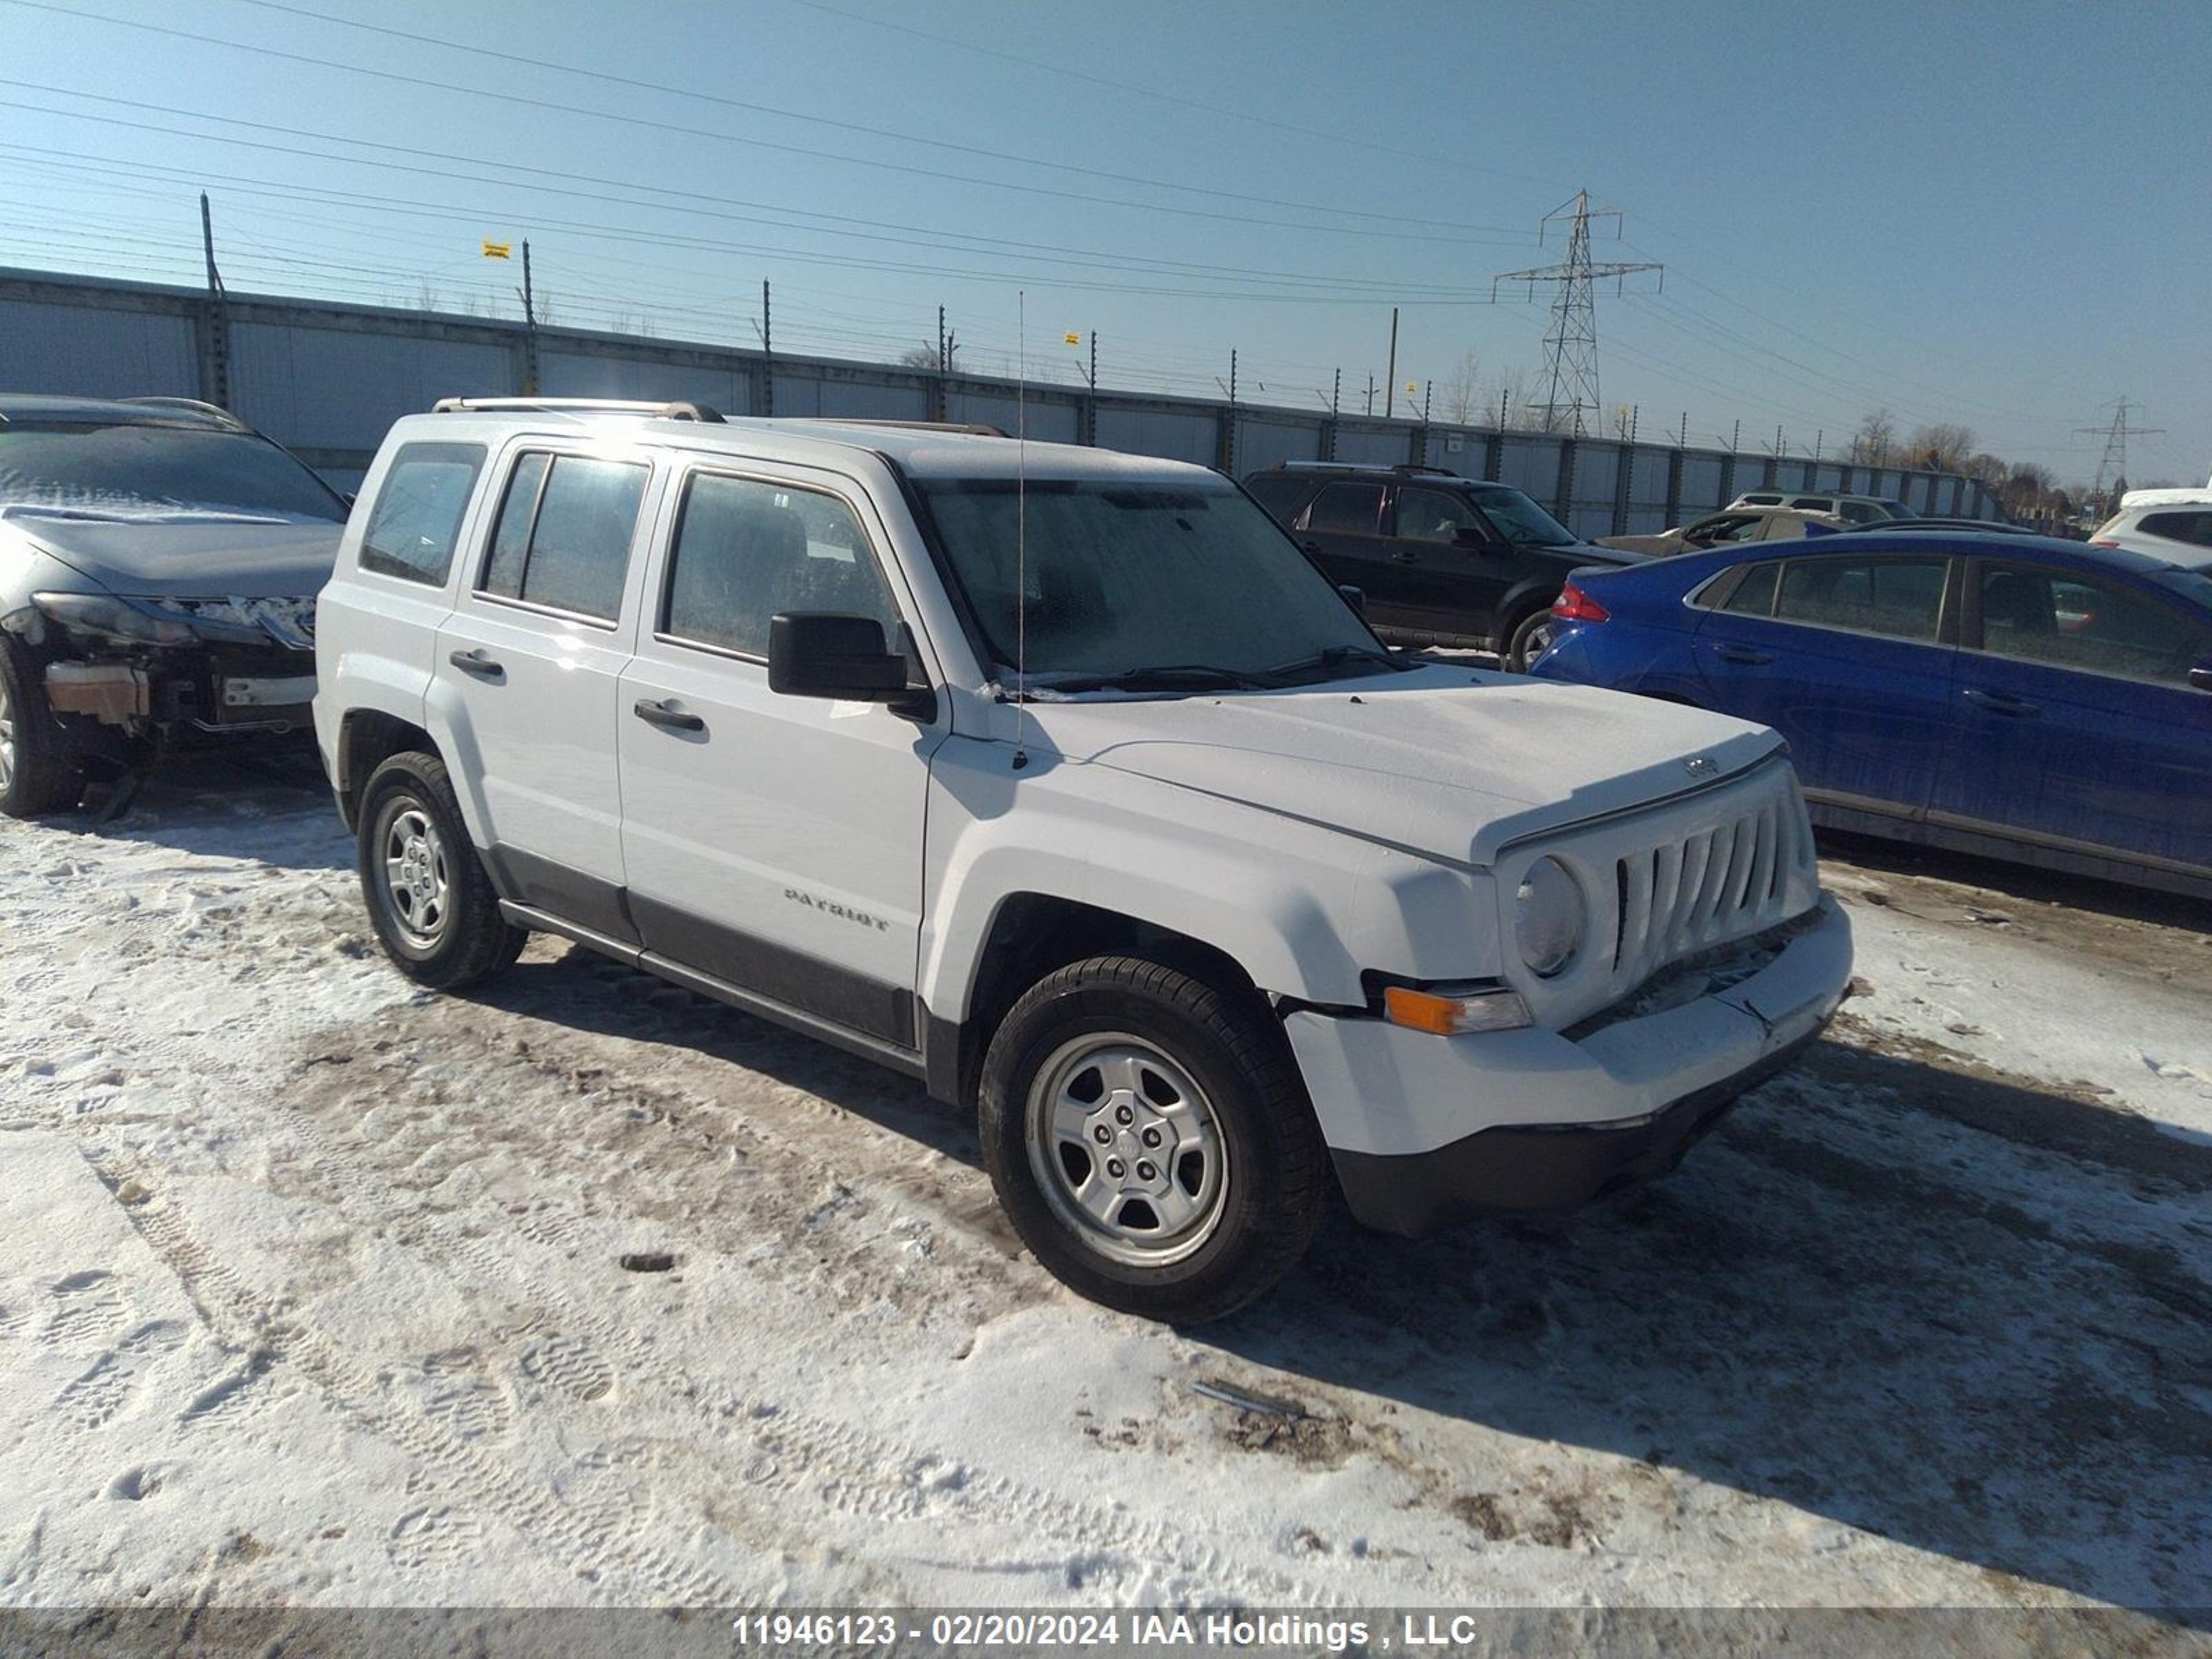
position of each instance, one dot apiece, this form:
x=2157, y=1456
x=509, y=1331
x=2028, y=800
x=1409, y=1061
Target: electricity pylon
x=1571, y=340
x=2115, y=464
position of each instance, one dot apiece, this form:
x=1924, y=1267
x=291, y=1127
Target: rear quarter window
x=416, y=516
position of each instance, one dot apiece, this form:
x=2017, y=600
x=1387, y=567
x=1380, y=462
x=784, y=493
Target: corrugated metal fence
x=326, y=380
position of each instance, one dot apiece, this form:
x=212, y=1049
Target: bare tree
x=1463, y=390
x=1877, y=432
x=1509, y=395
x=919, y=356
x=1942, y=447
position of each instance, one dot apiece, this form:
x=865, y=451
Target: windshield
x=144, y=469
x=1519, y=520
x=1897, y=509
x=1121, y=580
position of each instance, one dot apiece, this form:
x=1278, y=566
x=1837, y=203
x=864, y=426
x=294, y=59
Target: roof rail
x=195, y=406
x=1407, y=467
x=669, y=411
x=972, y=429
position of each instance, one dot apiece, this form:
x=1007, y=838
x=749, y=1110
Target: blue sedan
x=2034, y=699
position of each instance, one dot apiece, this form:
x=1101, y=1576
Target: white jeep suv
x=1218, y=901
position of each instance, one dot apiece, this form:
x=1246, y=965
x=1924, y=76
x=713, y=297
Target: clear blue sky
x=1994, y=214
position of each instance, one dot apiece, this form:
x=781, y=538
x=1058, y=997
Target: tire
x=1526, y=642
x=428, y=897
x=37, y=775
x=1130, y=1048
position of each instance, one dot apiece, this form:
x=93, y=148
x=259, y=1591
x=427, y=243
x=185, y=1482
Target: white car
x=1851, y=509
x=1218, y=901
x=2174, y=525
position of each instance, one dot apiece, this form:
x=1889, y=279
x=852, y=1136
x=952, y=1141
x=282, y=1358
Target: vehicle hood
x=188, y=556
x=1450, y=764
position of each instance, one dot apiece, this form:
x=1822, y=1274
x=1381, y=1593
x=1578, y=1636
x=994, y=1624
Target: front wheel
x=37, y=774
x=428, y=897
x=1150, y=1137
x=1530, y=637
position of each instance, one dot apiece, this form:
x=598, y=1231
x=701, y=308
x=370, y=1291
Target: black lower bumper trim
x=1538, y=1167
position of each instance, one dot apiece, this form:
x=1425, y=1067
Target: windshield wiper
x=1165, y=677
x=1330, y=656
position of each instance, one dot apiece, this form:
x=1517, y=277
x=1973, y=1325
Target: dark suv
x=1442, y=560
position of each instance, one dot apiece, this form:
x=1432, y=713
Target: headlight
x=112, y=618
x=1549, y=917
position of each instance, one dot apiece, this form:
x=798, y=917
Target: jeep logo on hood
x=1702, y=766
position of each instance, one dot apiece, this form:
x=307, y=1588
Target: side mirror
x=1469, y=535
x=1354, y=596
x=2201, y=676
x=812, y=653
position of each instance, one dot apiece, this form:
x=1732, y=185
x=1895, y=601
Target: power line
x=663, y=238
x=1202, y=105
x=478, y=94
x=1326, y=290
x=1093, y=259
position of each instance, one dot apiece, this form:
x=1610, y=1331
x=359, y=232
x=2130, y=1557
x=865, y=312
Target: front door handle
x=1310, y=546
x=1743, y=656
x=475, y=662
x=1996, y=702
x=657, y=713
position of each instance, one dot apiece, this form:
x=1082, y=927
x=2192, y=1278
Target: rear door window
x=1753, y=595
x=1897, y=599
x=1349, y=509
x=564, y=534
x=416, y=516
x=2062, y=620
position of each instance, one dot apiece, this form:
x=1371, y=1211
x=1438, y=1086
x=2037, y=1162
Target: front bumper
x=1425, y=1130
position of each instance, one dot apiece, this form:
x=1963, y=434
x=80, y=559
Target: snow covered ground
x=312, y=1291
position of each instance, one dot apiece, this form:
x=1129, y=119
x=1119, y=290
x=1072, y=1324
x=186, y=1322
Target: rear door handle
x=1310, y=547
x=475, y=662
x=656, y=713
x=1406, y=556
x=1998, y=703
x=1742, y=656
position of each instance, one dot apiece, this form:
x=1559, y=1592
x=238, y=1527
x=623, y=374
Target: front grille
x=1716, y=885
x=1688, y=875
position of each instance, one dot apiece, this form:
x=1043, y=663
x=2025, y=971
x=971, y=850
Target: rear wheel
x=1527, y=641
x=428, y=897
x=37, y=773
x=1151, y=1140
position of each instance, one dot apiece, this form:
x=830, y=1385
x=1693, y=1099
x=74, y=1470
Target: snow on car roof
x=2197, y=497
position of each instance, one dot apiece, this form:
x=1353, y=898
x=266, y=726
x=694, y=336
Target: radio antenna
x=1021, y=523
